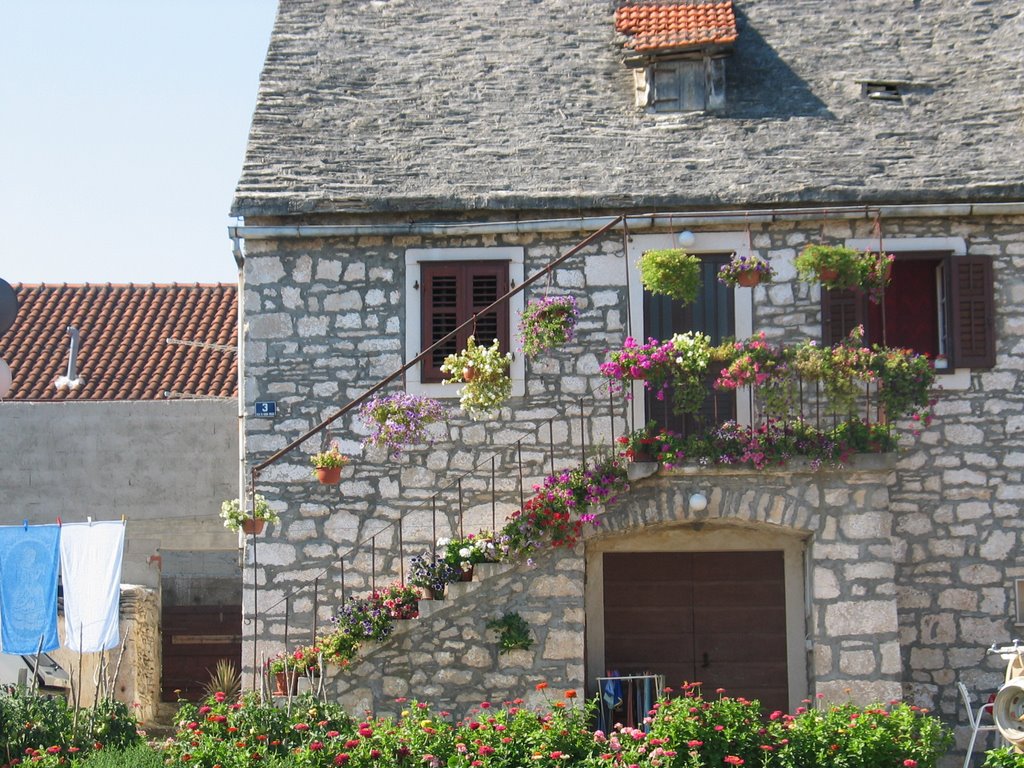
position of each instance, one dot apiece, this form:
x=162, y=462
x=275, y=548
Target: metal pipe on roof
x=633, y=221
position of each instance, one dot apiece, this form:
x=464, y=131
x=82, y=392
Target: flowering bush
x=432, y=572
x=759, y=364
x=680, y=363
x=555, y=515
x=233, y=514
x=738, y=265
x=547, y=323
x=400, y=420
x=483, y=373
x=687, y=731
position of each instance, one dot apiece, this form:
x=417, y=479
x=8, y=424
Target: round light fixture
x=686, y=238
x=698, y=502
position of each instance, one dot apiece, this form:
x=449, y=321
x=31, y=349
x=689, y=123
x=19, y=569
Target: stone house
x=402, y=150
x=134, y=415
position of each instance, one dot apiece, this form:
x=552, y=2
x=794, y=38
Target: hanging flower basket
x=235, y=518
x=548, y=323
x=400, y=420
x=328, y=475
x=672, y=272
x=746, y=271
x=489, y=385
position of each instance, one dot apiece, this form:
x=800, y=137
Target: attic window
x=677, y=50
x=878, y=90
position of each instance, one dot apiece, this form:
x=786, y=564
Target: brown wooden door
x=714, y=617
x=195, y=638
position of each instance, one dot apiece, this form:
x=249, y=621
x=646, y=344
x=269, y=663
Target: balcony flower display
x=671, y=272
x=399, y=421
x=484, y=375
x=547, y=323
x=679, y=362
x=746, y=271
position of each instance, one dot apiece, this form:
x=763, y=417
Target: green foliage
x=1003, y=757
x=224, y=678
x=848, y=264
x=513, y=632
x=672, y=272
x=41, y=723
x=138, y=756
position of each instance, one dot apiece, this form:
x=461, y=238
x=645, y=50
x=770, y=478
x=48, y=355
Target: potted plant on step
x=400, y=420
x=284, y=668
x=464, y=552
x=400, y=600
x=235, y=518
x=432, y=573
x=672, y=272
x=547, y=323
x=484, y=374
x=327, y=465
x=640, y=445
x=746, y=271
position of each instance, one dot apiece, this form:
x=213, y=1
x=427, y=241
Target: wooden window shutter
x=841, y=312
x=452, y=293
x=972, y=305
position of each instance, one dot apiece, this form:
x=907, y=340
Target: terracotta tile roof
x=123, y=353
x=653, y=26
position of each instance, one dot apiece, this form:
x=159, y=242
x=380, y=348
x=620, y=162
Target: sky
x=122, y=130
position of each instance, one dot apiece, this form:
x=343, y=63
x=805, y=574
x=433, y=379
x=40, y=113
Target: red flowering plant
x=558, y=511
x=401, y=601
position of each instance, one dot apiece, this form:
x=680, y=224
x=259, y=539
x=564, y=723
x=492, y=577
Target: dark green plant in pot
x=671, y=272
x=834, y=266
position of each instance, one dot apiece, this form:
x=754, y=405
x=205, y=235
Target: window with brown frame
x=452, y=292
x=936, y=304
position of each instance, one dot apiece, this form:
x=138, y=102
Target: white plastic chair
x=975, y=716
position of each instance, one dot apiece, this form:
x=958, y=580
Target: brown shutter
x=452, y=293
x=973, y=320
x=841, y=312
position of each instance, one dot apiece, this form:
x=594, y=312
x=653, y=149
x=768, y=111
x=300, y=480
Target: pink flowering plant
x=738, y=265
x=678, y=364
x=764, y=366
x=401, y=601
x=547, y=323
x=400, y=420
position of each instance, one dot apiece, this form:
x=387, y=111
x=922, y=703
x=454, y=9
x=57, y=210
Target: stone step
x=459, y=589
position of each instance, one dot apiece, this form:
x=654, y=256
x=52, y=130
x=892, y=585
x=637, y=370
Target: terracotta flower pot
x=827, y=273
x=468, y=373
x=328, y=475
x=467, y=575
x=281, y=683
x=748, y=279
x=253, y=526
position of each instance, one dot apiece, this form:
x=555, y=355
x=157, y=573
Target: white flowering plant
x=233, y=515
x=462, y=553
x=484, y=375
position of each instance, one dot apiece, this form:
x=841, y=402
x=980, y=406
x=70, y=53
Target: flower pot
x=468, y=373
x=430, y=594
x=825, y=274
x=748, y=279
x=281, y=680
x=467, y=575
x=253, y=526
x=643, y=456
x=328, y=475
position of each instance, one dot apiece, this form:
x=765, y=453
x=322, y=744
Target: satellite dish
x=8, y=305
x=5, y=379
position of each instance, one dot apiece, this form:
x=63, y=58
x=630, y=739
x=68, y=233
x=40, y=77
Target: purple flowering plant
x=729, y=273
x=400, y=420
x=547, y=323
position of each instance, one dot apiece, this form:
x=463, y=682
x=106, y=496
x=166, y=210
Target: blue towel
x=29, y=560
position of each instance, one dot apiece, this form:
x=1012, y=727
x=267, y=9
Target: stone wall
x=325, y=319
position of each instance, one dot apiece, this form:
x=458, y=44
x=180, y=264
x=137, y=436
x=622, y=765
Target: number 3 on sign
x=266, y=408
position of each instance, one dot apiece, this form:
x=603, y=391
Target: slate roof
x=123, y=354
x=419, y=105
x=654, y=26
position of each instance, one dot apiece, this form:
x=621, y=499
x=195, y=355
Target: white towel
x=90, y=561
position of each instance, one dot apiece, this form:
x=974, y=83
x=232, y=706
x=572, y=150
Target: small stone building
x=405, y=155
x=133, y=415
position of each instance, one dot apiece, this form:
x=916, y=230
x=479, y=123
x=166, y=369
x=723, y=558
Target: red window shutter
x=841, y=312
x=973, y=320
x=452, y=293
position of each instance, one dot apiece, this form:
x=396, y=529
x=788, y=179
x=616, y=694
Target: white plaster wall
x=165, y=466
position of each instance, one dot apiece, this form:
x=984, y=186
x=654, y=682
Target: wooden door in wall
x=714, y=617
x=195, y=638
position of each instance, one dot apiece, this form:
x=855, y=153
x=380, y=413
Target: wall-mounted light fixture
x=686, y=238
x=698, y=502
